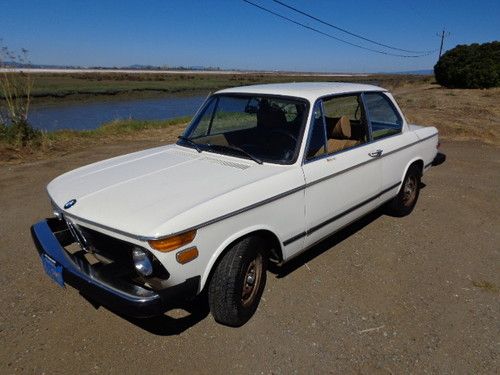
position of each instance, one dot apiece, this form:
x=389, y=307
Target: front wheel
x=238, y=282
x=403, y=203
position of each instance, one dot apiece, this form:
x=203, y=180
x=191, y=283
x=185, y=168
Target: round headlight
x=142, y=262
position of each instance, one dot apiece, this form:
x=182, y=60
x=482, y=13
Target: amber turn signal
x=174, y=242
x=187, y=255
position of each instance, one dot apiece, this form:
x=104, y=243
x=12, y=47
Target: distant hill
x=417, y=72
x=12, y=64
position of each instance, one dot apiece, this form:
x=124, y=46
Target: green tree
x=470, y=66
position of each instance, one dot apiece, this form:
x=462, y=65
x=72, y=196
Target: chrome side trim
x=339, y=216
x=241, y=210
x=330, y=234
x=294, y=238
x=370, y=143
x=411, y=144
x=204, y=224
x=230, y=214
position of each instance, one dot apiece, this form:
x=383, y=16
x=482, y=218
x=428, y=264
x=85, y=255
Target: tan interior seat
x=339, y=134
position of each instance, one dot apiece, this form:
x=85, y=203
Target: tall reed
x=15, y=98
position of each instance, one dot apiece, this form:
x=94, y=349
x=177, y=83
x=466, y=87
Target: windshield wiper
x=192, y=143
x=236, y=148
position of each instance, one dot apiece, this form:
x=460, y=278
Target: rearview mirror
x=251, y=109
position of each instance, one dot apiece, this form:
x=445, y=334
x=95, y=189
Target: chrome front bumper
x=122, y=297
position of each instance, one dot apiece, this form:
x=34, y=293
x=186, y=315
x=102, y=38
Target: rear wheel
x=238, y=282
x=403, y=203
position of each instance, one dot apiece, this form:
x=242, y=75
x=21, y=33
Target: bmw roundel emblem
x=70, y=203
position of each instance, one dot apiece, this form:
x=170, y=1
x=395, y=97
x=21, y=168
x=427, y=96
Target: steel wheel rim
x=410, y=190
x=251, y=281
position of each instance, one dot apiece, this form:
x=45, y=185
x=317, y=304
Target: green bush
x=20, y=133
x=470, y=66
x=15, y=99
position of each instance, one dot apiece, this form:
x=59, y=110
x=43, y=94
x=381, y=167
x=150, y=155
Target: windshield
x=257, y=127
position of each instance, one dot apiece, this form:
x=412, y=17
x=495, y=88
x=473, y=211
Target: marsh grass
x=116, y=129
x=51, y=87
x=15, y=99
x=61, y=142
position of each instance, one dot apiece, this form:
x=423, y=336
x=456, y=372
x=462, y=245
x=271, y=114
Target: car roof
x=307, y=90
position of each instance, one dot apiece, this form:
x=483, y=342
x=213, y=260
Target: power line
x=331, y=36
x=347, y=31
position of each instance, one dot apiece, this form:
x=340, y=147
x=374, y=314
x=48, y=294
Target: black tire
x=403, y=203
x=238, y=282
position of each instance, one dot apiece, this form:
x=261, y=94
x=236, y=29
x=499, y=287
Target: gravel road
x=418, y=294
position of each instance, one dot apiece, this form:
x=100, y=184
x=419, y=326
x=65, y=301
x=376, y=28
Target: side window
x=343, y=106
x=316, y=143
x=384, y=118
x=345, y=122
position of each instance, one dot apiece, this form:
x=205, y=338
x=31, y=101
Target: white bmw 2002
x=261, y=174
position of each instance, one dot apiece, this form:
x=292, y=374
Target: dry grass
x=458, y=114
x=486, y=286
x=63, y=142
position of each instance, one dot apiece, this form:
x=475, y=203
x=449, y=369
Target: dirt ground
x=412, y=295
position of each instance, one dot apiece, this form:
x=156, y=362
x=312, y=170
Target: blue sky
x=233, y=34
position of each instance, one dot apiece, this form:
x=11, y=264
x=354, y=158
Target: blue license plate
x=53, y=269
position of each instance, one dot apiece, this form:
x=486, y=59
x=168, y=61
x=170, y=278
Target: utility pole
x=443, y=35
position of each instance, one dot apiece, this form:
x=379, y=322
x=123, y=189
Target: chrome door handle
x=376, y=154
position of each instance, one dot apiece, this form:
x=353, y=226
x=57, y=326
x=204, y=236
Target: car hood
x=142, y=193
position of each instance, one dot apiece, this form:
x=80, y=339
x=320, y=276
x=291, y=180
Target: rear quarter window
x=384, y=118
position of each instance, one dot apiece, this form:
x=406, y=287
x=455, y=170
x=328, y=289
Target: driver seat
x=270, y=117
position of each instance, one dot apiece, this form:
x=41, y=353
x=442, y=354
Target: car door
x=341, y=167
x=388, y=136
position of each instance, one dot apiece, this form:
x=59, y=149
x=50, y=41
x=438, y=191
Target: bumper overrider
x=439, y=159
x=116, y=294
